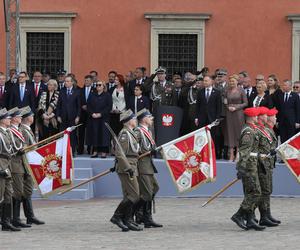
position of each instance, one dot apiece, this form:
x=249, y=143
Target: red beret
x=251, y=111
x=263, y=110
x=272, y=112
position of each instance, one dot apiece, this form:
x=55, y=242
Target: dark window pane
x=45, y=52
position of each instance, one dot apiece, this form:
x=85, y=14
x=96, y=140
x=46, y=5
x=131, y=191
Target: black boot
x=138, y=211
x=271, y=217
x=128, y=218
x=6, y=218
x=118, y=215
x=251, y=224
x=28, y=211
x=148, y=220
x=239, y=218
x=16, y=215
x=264, y=219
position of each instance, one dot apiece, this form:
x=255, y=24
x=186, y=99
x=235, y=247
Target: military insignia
x=173, y=153
x=123, y=137
x=51, y=166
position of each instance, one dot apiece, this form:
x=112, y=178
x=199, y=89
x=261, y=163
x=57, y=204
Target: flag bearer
x=147, y=181
x=247, y=172
x=27, y=120
x=6, y=189
x=126, y=168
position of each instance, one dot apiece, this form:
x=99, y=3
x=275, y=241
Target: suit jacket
x=69, y=107
x=265, y=102
x=43, y=88
x=209, y=111
x=288, y=112
x=251, y=97
x=84, y=100
x=142, y=102
x=4, y=99
x=28, y=100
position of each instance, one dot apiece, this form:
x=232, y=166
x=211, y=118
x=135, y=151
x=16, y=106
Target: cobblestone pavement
x=85, y=225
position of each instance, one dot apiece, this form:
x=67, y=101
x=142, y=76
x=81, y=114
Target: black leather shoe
x=251, y=224
x=271, y=218
x=266, y=222
x=117, y=221
x=20, y=224
x=132, y=226
x=94, y=156
x=35, y=221
x=239, y=219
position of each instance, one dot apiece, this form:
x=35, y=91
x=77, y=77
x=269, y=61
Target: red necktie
x=36, y=89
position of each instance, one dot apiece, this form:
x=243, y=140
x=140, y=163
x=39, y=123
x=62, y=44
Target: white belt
x=253, y=154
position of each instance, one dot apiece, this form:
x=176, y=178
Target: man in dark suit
x=288, y=111
x=4, y=92
x=111, y=81
x=38, y=87
x=138, y=101
x=139, y=75
x=250, y=91
x=85, y=94
x=209, y=104
x=69, y=109
x=22, y=94
x=61, y=75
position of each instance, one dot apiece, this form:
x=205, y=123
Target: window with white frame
x=295, y=19
x=177, y=41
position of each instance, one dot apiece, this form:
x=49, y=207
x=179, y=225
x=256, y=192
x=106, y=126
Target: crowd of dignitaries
x=204, y=96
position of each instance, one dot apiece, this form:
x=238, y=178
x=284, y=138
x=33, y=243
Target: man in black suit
x=111, y=81
x=69, y=109
x=139, y=75
x=22, y=94
x=288, y=112
x=250, y=91
x=61, y=75
x=4, y=92
x=85, y=94
x=138, y=101
x=209, y=105
x=38, y=87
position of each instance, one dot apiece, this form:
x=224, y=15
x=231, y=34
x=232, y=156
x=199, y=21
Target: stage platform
x=284, y=185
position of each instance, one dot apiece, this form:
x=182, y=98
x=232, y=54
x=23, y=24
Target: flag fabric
x=289, y=152
x=191, y=159
x=51, y=165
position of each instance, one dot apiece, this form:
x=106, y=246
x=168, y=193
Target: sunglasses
x=98, y=85
x=295, y=87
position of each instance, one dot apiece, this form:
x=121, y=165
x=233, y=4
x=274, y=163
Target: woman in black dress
x=98, y=108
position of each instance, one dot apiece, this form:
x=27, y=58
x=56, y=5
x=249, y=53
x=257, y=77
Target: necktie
x=22, y=92
x=1, y=91
x=286, y=97
x=68, y=92
x=257, y=102
x=36, y=89
x=248, y=93
x=207, y=95
x=87, y=93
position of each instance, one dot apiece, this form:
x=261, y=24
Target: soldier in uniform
x=147, y=182
x=17, y=165
x=162, y=92
x=27, y=120
x=6, y=189
x=264, y=167
x=247, y=172
x=126, y=168
x=271, y=121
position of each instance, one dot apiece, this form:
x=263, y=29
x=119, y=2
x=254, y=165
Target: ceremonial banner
x=51, y=165
x=290, y=153
x=191, y=159
x=167, y=121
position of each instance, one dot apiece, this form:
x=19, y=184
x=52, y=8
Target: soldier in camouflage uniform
x=18, y=169
x=25, y=129
x=264, y=167
x=247, y=172
x=162, y=92
x=6, y=189
x=126, y=168
x=147, y=181
x=271, y=121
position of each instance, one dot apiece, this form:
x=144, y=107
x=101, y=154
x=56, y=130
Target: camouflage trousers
x=252, y=191
x=265, y=179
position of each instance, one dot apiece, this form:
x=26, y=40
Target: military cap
x=26, y=111
x=4, y=114
x=263, y=110
x=61, y=72
x=143, y=113
x=221, y=72
x=127, y=116
x=15, y=112
x=251, y=112
x=177, y=73
x=160, y=70
x=272, y=112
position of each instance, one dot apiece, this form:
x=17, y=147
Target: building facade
x=82, y=35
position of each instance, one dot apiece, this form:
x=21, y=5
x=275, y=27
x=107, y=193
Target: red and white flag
x=51, y=165
x=290, y=153
x=191, y=159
